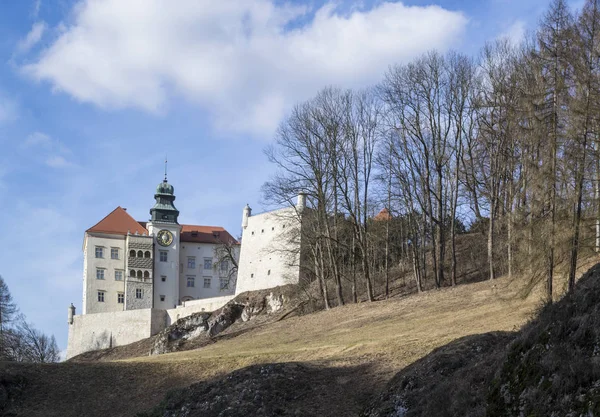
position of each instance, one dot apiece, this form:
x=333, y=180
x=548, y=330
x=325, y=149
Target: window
x=272, y=228
x=132, y=273
x=120, y=298
x=162, y=298
x=139, y=293
x=224, y=283
x=99, y=252
x=163, y=278
x=114, y=253
x=147, y=254
x=146, y=274
x=132, y=253
x=206, y=282
x=163, y=255
x=251, y=275
x=190, y=281
x=118, y=275
x=101, y=296
x=99, y=273
x=207, y=263
x=262, y=230
x=253, y=233
x=269, y=272
x=139, y=274
x=140, y=254
x=224, y=266
x=191, y=262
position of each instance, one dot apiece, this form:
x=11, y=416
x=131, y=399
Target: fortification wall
x=270, y=251
x=197, y=306
x=103, y=330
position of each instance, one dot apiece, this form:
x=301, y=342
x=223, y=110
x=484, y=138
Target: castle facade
x=128, y=264
x=141, y=276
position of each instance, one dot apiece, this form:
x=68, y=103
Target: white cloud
x=515, y=32
x=8, y=110
x=57, y=161
x=42, y=147
x=244, y=61
x=38, y=139
x=32, y=38
x=37, y=4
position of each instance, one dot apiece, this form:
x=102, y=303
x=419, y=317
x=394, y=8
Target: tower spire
x=165, y=168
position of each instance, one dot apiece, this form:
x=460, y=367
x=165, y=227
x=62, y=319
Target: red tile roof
x=118, y=222
x=384, y=214
x=205, y=234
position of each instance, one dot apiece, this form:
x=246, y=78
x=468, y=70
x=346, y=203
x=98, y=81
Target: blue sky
x=94, y=93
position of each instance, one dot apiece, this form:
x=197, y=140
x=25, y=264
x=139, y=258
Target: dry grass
x=377, y=338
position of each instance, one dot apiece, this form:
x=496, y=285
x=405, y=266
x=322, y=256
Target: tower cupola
x=164, y=210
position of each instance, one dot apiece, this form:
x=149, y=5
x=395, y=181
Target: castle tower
x=247, y=213
x=301, y=205
x=166, y=231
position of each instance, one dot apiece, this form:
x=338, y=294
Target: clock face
x=164, y=238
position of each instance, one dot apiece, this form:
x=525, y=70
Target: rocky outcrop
x=451, y=381
x=282, y=389
x=553, y=366
x=208, y=325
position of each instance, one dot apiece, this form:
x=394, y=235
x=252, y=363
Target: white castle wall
x=103, y=330
x=268, y=255
x=201, y=251
x=108, y=284
x=197, y=306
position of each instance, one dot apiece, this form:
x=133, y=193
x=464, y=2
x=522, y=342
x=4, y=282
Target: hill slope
x=363, y=345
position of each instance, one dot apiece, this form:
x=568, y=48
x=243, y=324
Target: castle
x=139, y=277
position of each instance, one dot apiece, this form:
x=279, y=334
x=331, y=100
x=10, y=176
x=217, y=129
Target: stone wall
x=103, y=330
x=270, y=251
x=197, y=306
x=109, y=286
x=131, y=301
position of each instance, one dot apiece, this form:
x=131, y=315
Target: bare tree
x=8, y=308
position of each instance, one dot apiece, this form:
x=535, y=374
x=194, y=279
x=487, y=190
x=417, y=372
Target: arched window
x=132, y=273
x=147, y=254
x=132, y=253
x=146, y=274
x=140, y=254
x=139, y=274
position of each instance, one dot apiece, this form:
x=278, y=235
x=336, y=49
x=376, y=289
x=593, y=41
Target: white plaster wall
x=108, y=284
x=170, y=269
x=266, y=247
x=99, y=331
x=197, y=306
x=200, y=251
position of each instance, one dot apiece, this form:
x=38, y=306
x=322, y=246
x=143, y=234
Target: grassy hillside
x=363, y=345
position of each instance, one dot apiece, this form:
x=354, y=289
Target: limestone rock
x=208, y=325
x=275, y=302
x=176, y=334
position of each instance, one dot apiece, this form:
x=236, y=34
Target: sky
x=95, y=93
